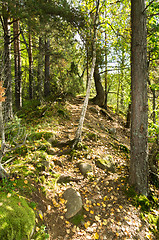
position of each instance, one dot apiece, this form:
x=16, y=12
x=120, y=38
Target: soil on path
x=107, y=212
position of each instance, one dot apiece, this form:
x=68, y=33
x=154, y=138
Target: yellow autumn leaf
x=25, y=181
x=105, y=222
x=62, y=201
x=97, y=218
x=91, y=212
x=105, y=198
x=87, y=224
x=96, y=236
x=40, y=215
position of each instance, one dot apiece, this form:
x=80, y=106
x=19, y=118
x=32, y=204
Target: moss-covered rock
x=106, y=163
x=17, y=219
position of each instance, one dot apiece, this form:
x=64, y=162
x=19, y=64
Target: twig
x=148, y=5
x=9, y=160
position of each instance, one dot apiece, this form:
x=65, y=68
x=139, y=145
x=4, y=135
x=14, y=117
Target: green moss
x=17, y=219
x=92, y=136
x=40, y=135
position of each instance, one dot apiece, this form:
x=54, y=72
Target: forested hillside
x=79, y=119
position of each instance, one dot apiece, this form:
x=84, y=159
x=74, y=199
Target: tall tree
x=47, y=68
x=7, y=63
x=139, y=112
x=17, y=64
x=30, y=52
x=85, y=104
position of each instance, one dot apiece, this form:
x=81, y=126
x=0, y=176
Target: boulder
x=106, y=163
x=85, y=168
x=74, y=202
x=17, y=219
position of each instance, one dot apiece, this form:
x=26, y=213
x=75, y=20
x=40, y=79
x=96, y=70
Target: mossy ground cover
x=17, y=219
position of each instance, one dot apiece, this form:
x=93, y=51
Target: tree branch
x=148, y=5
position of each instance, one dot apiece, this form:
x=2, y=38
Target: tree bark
x=47, y=69
x=100, y=97
x=40, y=75
x=139, y=109
x=17, y=65
x=90, y=77
x=30, y=67
x=8, y=109
x=128, y=117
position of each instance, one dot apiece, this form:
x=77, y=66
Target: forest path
x=108, y=213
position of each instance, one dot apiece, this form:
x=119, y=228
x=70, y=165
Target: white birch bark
x=90, y=77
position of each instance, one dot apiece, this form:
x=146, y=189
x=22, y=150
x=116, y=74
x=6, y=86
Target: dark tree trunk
x=139, y=109
x=106, y=72
x=40, y=76
x=17, y=65
x=47, y=69
x=100, y=96
x=30, y=67
x=8, y=110
x=128, y=117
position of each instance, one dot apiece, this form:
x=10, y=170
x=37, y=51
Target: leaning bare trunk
x=90, y=77
x=139, y=109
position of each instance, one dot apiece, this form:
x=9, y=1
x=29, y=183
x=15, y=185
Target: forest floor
x=108, y=210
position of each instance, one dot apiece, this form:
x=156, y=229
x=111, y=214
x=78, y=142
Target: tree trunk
x=8, y=110
x=30, y=67
x=100, y=97
x=128, y=117
x=47, y=69
x=40, y=70
x=139, y=110
x=106, y=71
x=90, y=77
x=17, y=65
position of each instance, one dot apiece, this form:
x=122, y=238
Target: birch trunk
x=90, y=77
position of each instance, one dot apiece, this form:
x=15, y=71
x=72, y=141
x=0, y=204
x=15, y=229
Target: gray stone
x=74, y=202
x=112, y=131
x=85, y=168
x=106, y=164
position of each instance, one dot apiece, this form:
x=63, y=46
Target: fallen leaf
x=87, y=224
x=9, y=195
x=96, y=236
x=26, y=181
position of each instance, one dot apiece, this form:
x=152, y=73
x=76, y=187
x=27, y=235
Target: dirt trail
x=107, y=214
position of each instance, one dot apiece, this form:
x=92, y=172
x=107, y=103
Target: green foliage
x=153, y=131
x=7, y=186
x=147, y=205
x=41, y=234
x=14, y=131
